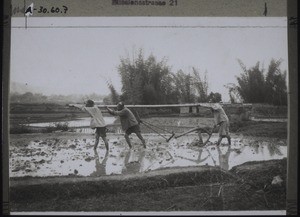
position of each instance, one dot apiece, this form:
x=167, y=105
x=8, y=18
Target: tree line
x=30, y=97
x=149, y=81
x=146, y=80
x=255, y=85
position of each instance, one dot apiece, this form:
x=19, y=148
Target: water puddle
x=62, y=157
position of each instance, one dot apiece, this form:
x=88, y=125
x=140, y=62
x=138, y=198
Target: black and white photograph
x=148, y=114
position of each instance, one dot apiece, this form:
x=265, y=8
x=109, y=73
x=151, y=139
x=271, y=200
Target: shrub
x=19, y=129
x=62, y=126
x=57, y=126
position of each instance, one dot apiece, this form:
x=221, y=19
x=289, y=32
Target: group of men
x=130, y=124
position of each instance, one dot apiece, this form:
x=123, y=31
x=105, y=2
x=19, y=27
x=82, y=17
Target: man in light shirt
x=221, y=120
x=97, y=122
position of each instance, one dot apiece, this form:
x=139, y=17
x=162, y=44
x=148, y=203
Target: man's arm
x=204, y=105
x=119, y=113
x=218, y=124
x=77, y=106
x=110, y=111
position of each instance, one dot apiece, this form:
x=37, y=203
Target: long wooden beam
x=163, y=106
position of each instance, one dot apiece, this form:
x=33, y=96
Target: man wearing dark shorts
x=97, y=122
x=128, y=122
x=221, y=119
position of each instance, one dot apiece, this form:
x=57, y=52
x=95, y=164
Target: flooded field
x=63, y=156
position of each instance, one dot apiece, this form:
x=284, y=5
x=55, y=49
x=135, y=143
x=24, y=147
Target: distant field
x=21, y=114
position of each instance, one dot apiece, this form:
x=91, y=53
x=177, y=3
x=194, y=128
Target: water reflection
x=63, y=157
x=274, y=149
x=133, y=162
x=100, y=167
x=199, y=159
x=224, y=157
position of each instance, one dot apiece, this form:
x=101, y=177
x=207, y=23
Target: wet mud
x=68, y=155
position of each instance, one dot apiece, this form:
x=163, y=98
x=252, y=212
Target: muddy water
x=62, y=157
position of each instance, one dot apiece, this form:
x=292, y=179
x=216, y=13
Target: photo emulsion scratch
x=148, y=114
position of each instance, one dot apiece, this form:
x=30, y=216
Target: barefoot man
x=97, y=121
x=129, y=123
x=221, y=120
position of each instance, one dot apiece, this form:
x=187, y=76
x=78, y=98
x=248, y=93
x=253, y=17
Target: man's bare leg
x=229, y=139
x=96, y=141
x=105, y=142
x=139, y=135
x=128, y=140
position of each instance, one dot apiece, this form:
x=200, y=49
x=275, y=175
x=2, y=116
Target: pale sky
x=75, y=55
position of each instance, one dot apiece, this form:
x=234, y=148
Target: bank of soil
x=260, y=129
x=245, y=187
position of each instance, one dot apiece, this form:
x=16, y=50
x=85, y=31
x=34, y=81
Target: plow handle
x=173, y=134
x=209, y=135
x=187, y=132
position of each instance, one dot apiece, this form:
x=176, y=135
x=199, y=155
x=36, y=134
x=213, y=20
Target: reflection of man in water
x=199, y=160
x=198, y=141
x=135, y=166
x=100, y=167
x=224, y=158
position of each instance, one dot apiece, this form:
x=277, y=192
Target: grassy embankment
x=244, y=187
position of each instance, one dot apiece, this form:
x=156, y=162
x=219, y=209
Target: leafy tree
x=184, y=88
x=214, y=97
x=114, y=96
x=145, y=80
x=191, y=88
x=233, y=93
x=276, y=89
x=252, y=84
x=254, y=87
x=149, y=81
x=201, y=85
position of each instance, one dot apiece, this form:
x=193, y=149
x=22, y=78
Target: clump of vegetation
x=20, y=129
x=57, y=126
x=148, y=80
x=24, y=128
x=62, y=126
x=256, y=86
